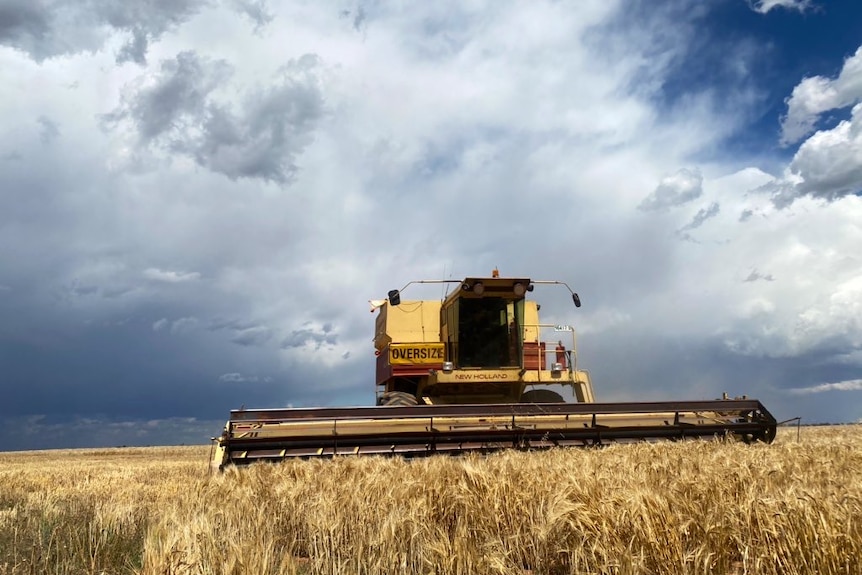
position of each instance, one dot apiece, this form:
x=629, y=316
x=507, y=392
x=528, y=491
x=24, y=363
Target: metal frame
x=277, y=434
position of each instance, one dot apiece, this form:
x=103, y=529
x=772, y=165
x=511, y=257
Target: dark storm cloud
x=263, y=139
x=165, y=400
x=315, y=337
x=781, y=193
x=154, y=16
x=132, y=365
x=214, y=278
x=175, y=101
x=676, y=190
x=232, y=324
x=359, y=17
x=179, y=111
x=83, y=290
x=756, y=276
x=41, y=432
x=700, y=217
x=23, y=24
x=257, y=336
x=49, y=130
x=256, y=10
x=135, y=49
x=706, y=368
x=243, y=333
x=44, y=29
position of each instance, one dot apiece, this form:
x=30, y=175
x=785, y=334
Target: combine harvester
x=476, y=372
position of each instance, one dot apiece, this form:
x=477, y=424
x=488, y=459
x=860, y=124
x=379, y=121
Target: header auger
x=477, y=371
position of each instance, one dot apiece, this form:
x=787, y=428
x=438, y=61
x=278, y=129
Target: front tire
x=542, y=396
x=397, y=399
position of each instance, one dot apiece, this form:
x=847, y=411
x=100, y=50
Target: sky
x=198, y=198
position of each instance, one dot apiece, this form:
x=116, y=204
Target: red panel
x=534, y=355
x=384, y=370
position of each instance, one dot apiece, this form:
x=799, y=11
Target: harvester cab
x=476, y=371
x=484, y=343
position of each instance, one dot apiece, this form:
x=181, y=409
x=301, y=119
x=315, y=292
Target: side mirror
x=395, y=297
x=575, y=299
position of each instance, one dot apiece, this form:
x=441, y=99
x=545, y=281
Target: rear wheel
x=542, y=396
x=397, y=398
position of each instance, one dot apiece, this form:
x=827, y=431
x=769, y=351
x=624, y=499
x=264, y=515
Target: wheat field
x=794, y=507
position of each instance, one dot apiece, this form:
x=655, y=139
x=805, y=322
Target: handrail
x=571, y=351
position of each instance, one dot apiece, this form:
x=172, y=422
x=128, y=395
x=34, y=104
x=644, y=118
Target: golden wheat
x=690, y=507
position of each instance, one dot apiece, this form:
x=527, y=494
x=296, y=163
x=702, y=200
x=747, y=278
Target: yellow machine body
x=477, y=371
x=487, y=347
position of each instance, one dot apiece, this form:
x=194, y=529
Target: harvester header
x=477, y=371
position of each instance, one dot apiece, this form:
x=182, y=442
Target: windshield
x=489, y=332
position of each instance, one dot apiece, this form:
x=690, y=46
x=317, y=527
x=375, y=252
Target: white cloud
x=170, y=276
x=764, y=6
x=812, y=303
x=849, y=385
x=184, y=325
x=829, y=163
x=816, y=95
x=181, y=325
x=236, y=377
x=763, y=281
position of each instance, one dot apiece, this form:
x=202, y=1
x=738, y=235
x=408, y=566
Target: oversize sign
x=416, y=353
